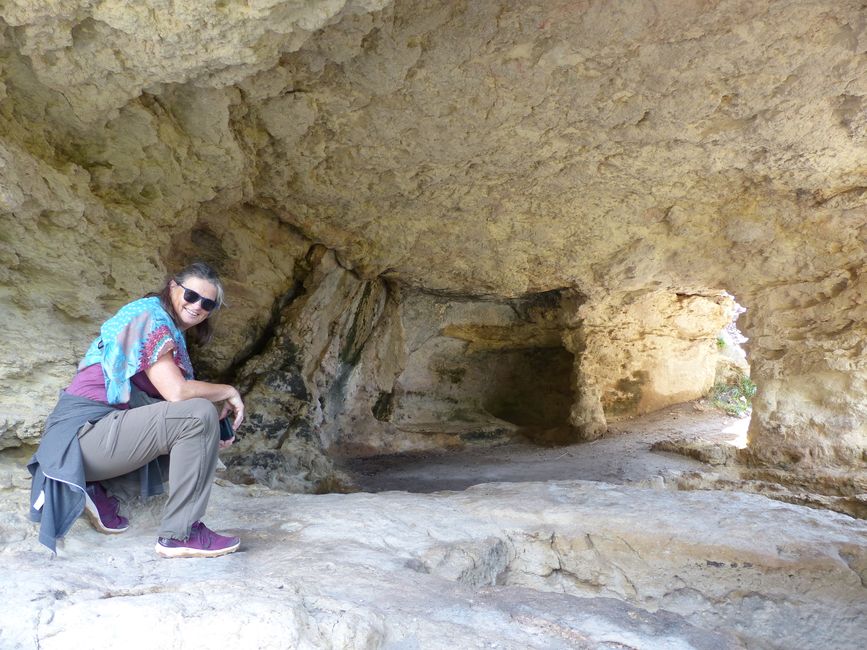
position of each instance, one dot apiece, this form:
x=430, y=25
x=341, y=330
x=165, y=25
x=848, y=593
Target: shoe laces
x=204, y=535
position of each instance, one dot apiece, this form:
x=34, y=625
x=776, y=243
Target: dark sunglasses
x=192, y=297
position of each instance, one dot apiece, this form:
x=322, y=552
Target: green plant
x=720, y=343
x=735, y=398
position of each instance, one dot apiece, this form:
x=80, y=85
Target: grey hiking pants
x=187, y=431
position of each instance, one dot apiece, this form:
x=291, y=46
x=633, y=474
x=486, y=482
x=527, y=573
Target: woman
x=133, y=400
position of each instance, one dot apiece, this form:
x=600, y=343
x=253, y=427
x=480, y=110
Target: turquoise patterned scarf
x=131, y=341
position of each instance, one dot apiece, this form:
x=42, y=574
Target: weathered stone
x=444, y=224
x=534, y=565
x=808, y=364
x=485, y=151
x=642, y=351
x=706, y=452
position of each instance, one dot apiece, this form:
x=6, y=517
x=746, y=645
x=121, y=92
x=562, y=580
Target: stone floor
x=624, y=455
x=557, y=564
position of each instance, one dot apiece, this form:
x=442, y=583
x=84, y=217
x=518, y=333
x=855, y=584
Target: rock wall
x=480, y=370
x=640, y=352
x=618, y=155
x=811, y=372
x=304, y=382
x=360, y=367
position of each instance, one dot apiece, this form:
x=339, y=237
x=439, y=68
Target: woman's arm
x=168, y=380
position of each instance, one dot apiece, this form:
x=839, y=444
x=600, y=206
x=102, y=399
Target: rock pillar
x=639, y=352
x=808, y=361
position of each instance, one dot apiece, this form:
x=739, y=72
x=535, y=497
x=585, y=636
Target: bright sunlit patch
x=739, y=432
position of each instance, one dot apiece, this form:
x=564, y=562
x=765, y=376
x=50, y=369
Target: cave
x=459, y=228
x=491, y=371
x=531, y=388
x=525, y=388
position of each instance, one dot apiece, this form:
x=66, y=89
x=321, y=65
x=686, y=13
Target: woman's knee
x=204, y=411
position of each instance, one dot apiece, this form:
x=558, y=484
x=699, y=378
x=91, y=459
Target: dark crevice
x=257, y=347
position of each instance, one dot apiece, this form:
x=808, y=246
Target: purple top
x=132, y=341
x=90, y=383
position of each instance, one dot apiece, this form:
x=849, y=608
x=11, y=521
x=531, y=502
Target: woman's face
x=190, y=314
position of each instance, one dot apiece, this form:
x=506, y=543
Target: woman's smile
x=192, y=313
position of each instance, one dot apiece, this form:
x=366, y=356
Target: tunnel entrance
x=733, y=389
x=484, y=371
x=529, y=388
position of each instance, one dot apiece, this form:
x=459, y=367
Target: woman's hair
x=202, y=332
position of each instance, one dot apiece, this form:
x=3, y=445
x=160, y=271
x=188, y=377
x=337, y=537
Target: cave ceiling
x=471, y=147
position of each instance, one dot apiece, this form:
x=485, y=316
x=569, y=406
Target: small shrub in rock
x=735, y=398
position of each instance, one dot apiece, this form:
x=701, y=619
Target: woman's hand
x=234, y=404
x=172, y=385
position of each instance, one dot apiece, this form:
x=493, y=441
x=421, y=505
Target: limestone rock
x=299, y=381
x=543, y=565
x=480, y=370
x=639, y=352
x=837, y=493
x=707, y=452
x=101, y=56
x=811, y=402
x=483, y=151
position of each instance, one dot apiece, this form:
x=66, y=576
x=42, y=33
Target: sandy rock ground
x=623, y=456
x=519, y=563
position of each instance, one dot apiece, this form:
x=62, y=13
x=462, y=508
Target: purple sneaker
x=101, y=510
x=202, y=542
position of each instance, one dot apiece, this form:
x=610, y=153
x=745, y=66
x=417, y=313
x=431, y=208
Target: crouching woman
x=133, y=400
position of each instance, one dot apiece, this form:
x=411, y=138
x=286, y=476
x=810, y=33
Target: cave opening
x=531, y=388
x=484, y=396
x=733, y=389
x=481, y=372
x=490, y=391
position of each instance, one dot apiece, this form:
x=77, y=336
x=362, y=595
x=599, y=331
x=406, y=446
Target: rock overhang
x=487, y=149
x=530, y=147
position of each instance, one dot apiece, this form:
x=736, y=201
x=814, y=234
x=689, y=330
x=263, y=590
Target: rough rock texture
x=640, y=352
x=618, y=152
x=845, y=496
x=534, y=565
x=359, y=367
x=302, y=380
x=809, y=364
x=478, y=370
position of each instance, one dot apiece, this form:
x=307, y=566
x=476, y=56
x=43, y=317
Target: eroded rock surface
x=445, y=224
x=535, y=565
x=483, y=151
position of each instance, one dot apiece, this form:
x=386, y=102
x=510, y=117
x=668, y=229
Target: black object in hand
x=226, y=432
